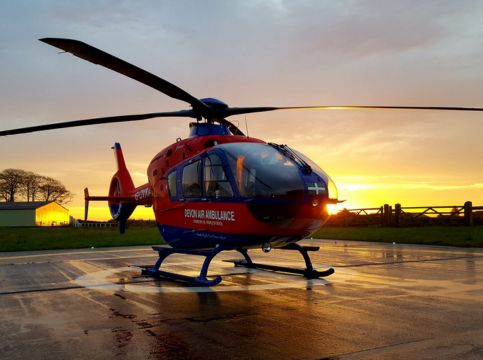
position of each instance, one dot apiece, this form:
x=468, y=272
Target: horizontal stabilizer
x=87, y=198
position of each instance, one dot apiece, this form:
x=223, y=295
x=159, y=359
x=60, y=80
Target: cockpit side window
x=191, y=180
x=172, y=184
x=216, y=183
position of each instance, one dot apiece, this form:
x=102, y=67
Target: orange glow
x=333, y=208
x=239, y=173
x=51, y=215
x=102, y=213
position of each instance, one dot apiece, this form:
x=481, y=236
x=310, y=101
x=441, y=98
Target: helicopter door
x=215, y=180
x=191, y=180
x=202, y=179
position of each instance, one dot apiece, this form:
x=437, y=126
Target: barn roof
x=23, y=205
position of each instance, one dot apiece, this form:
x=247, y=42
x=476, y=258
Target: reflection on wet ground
x=384, y=301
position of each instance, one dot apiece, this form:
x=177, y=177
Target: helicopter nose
x=321, y=187
x=316, y=188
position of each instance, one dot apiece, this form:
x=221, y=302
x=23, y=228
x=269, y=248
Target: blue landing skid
x=164, y=251
x=309, y=272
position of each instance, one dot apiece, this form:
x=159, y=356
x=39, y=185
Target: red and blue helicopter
x=218, y=189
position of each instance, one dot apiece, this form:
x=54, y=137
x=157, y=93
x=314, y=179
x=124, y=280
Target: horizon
x=255, y=53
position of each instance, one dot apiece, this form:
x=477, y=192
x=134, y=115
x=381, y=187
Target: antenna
x=246, y=126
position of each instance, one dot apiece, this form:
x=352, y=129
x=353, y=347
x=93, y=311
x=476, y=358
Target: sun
x=333, y=209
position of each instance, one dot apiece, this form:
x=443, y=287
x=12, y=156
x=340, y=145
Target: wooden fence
x=398, y=215
x=93, y=224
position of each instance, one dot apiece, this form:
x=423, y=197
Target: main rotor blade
x=246, y=110
x=101, y=120
x=99, y=57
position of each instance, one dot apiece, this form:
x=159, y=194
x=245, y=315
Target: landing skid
x=164, y=251
x=309, y=272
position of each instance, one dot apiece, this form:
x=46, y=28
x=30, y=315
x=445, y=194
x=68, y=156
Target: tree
x=53, y=190
x=16, y=183
x=11, y=182
x=31, y=184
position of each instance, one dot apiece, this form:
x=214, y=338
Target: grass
x=464, y=236
x=26, y=239
x=19, y=239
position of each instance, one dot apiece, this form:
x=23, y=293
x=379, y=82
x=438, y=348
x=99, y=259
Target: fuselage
x=217, y=188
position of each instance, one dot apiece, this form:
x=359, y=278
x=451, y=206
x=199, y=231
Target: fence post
x=468, y=213
x=397, y=214
x=381, y=209
x=387, y=215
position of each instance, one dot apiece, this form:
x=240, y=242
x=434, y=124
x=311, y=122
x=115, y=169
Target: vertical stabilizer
x=126, y=185
x=121, y=186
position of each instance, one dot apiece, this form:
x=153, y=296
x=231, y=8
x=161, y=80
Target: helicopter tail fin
x=121, y=191
x=121, y=199
x=126, y=183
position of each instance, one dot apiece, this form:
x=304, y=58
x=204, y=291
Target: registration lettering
x=142, y=194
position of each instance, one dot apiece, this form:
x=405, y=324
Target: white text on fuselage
x=142, y=194
x=219, y=215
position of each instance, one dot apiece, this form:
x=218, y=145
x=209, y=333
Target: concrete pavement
x=384, y=302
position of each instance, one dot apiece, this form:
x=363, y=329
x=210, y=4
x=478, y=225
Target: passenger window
x=172, y=183
x=191, y=180
x=216, y=183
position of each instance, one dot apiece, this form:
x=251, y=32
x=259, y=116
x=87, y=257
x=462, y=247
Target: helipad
x=384, y=301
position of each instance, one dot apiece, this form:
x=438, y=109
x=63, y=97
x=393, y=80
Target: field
x=465, y=236
x=20, y=239
x=26, y=239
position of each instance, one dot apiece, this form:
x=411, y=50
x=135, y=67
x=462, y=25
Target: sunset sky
x=255, y=53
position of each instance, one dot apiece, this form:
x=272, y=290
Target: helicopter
x=218, y=189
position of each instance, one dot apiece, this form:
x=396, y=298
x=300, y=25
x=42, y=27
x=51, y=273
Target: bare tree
x=16, y=183
x=11, y=182
x=31, y=184
x=53, y=190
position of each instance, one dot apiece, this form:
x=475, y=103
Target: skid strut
x=201, y=280
x=309, y=272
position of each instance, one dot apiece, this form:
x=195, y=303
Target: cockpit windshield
x=262, y=171
x=331, y=188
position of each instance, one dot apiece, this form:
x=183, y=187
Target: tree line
x=21, y=185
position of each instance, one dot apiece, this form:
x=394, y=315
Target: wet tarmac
x=384, y=301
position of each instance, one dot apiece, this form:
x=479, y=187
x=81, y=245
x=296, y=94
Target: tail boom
x=123, y=196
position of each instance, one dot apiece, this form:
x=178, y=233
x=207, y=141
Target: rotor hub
x=215, y=104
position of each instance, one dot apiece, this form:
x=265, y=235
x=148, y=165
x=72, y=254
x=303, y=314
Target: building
x=37, y=213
